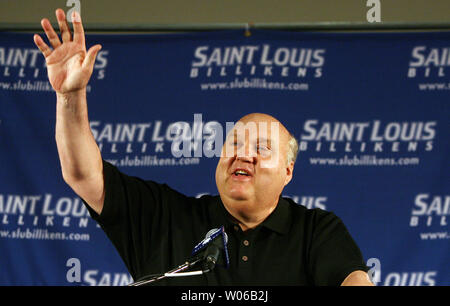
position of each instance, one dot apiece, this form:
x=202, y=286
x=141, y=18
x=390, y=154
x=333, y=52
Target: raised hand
x=69, y=66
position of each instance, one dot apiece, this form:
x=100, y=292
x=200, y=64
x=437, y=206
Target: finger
x=78, y=31
x=46, y=51
x=51, y=34
x=63, y=25
x=90, y=56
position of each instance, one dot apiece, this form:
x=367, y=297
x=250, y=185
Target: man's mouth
x=242, y=175
x=241, y=172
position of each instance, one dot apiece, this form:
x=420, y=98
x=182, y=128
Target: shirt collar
x=278, y=221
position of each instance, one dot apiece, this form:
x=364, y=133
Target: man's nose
x=246, y=153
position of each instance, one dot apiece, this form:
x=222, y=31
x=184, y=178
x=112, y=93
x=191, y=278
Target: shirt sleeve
x=134, y=216
x=333, y=254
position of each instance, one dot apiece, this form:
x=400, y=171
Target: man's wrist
x=71, y=97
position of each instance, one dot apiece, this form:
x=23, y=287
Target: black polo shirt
x=155, y=228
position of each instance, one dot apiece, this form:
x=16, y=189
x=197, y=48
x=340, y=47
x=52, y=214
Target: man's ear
x=289, y=173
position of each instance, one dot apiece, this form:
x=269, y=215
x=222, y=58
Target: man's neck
x=245, y=219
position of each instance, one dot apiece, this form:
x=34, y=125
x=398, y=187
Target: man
x=272, y=240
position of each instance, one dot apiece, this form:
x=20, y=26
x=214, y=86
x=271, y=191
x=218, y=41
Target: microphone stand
x=177, y=272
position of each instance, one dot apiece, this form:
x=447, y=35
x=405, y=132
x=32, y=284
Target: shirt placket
x=244, y=252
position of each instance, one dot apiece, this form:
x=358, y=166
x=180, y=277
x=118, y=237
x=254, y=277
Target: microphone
x=216, y=240
x=211, y=256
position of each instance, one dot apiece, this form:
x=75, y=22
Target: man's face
x=253, y=170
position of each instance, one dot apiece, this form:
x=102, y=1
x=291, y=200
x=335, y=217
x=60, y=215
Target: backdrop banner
x=370, y=111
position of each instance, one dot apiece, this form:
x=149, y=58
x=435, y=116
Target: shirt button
x=246, y=243
x=236, y=228
x=244, y=258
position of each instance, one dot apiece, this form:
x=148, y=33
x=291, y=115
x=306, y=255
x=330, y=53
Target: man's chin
x=239, y=196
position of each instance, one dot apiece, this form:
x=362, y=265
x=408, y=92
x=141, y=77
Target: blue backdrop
x=370, y=111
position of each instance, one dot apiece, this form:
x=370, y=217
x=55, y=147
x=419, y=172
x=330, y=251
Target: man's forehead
x=259, y=126
x=254, y=138
x=259, y=130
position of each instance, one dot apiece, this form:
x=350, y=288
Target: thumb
x=89, y=60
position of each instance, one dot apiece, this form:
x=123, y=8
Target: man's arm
x=357, y=278
x=69, y=68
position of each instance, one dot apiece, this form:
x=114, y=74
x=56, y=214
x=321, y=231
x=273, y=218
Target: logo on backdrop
x=75, y=274
x=420, y=278
x=24, y=69
x=256, y=66
x=429, y=62
x=44, y=217
x=151, y=143
x=417, y=278
x=430, y=66
x=429, y=215
x=370, y=143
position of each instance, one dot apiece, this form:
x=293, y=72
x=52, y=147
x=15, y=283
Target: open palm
x=69, y=66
